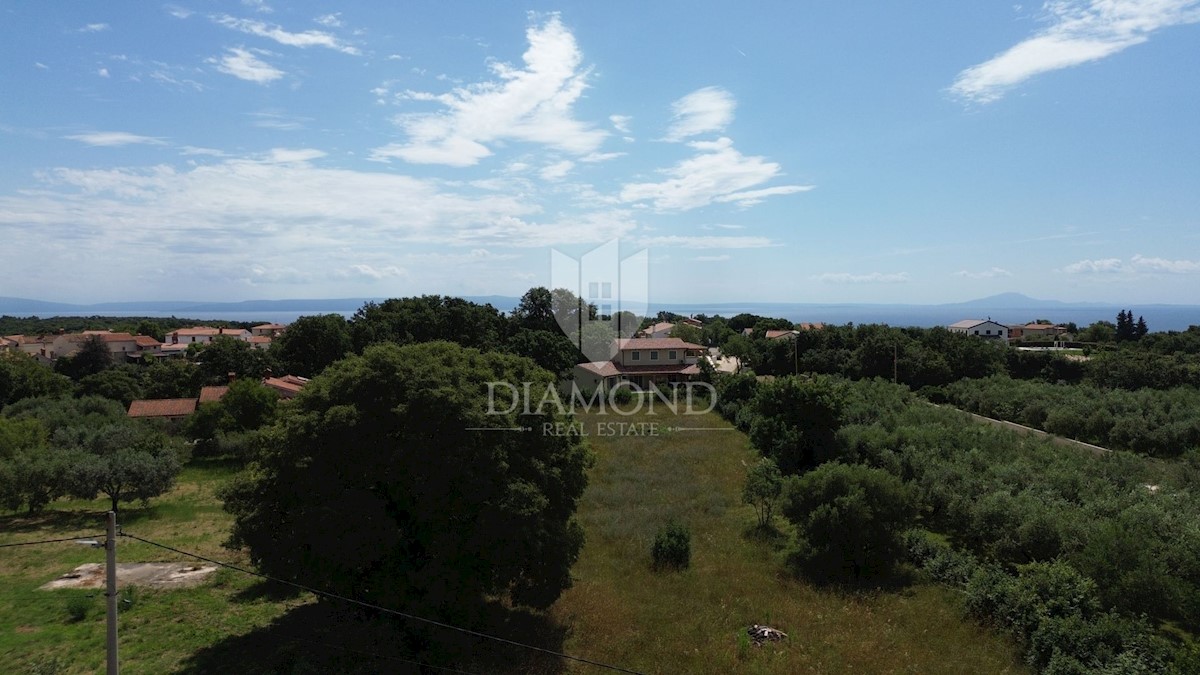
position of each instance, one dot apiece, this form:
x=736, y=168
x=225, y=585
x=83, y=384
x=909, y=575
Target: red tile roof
x=772, y=334
x=146, y=341
x=656, y=343
x=610, y=368
x=260, y=339
x=209, y=394
x=163, y=407
x=270, y=326
x=287, y=386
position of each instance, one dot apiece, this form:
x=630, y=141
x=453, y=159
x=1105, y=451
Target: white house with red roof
x=643, y=362
x=205, y=334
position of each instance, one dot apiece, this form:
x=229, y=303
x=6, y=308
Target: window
x=672, y=355
x=654, y=356
x=637, y=356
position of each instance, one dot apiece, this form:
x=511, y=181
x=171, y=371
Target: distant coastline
x=1007, y=308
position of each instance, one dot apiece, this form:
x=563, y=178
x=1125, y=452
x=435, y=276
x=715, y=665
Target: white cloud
x=872, y=278
x=94, y=28
x=370, y=272
x=557, y=171
x=260, y=6
x=1103, y=266
x=1145, y=264
x=278, y=121
x=717, y=173
x=178, y=12
x=711, y=258
x=40, y=66
x=103, y=72
x=1080, y=31
x=620, y=122
x=702, y=111
x=244, y=65
x=114, y=139
x=601, y=156
x=287, y=156
x=991, y=273
x=333, y=20
x=240, y=210
x=194, y=150
x=531, y=104
x=708, y=241
x=303, y=39
x=722, y=226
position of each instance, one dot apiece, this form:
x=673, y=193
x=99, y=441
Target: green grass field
x=619, y=611
x=622, y=611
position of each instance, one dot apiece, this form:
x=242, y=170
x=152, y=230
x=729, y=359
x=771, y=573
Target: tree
x=549, y=349
x=92, y=357
x=688, y=333
x=311, y=343
x=426, y=319
x=150, y=329
x=764, y=485
x=246, y=406
x=125, y=475
x=1140, y=329
x=377, y=483
x=223, y=356
x=22, y=377
x=1125, y=326
x=1100, y=331
x=120, y=384
x=796, y=421
x=849, y=521
x=535, y=310
x=172, y=378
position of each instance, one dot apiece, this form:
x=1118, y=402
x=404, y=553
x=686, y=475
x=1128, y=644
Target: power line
x=413, y=617
x=447, y=669
x=53, y=541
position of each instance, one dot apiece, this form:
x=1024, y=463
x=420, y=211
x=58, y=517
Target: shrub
x=672, y=547
x=764, y=484
x=849, y=520
x=78, y=606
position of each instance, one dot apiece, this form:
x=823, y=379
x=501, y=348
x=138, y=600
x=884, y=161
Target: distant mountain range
x=26, y=306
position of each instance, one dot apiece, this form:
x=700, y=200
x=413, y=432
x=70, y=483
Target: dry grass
x=623, y=612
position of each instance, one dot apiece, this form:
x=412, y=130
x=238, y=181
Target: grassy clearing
x=623, y=612
x=161, y=628
x=619, y=611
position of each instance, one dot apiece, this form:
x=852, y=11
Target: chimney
x=232, y=376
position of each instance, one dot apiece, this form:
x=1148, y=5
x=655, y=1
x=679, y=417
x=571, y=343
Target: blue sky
x=919, y=152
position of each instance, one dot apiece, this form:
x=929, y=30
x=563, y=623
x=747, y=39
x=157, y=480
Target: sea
x=1158, y=317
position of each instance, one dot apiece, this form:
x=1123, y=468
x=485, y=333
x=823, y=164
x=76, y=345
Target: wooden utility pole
x=110, y=569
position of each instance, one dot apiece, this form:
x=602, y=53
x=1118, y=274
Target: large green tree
x=389, y=478
x=311, y=343
x=849, y=519
x=796, y=420
x=21, y=377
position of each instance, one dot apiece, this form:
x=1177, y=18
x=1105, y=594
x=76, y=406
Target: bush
x=78, y=606
x=672, y=547
x=849, y=520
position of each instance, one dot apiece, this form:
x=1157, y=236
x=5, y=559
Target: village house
x=270, y=330
x=1038, y=331
x=985, y=329
x=661, y=329
x=286, y=386
x=643, y=362
x=205, y=334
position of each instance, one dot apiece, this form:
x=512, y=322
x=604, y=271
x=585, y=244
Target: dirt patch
x=150, y=575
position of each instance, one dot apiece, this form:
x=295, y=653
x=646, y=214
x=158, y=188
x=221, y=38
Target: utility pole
x=110, y=569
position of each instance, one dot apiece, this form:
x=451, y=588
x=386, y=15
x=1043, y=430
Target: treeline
x=1162, y=423
x=135, y=325
x=1079, y=557
x=935, y=357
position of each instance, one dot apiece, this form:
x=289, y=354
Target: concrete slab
x=149, y=575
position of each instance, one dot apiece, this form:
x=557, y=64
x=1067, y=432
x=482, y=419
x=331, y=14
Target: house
x=643, y=362
x=661, y=329
x=1037, y=330
x=205, y=334
x=694, y=323
x=782, y=334
x=268, y=330
x=262, y=342
x=287, y=386
x=120, y=345
x=985, y=329
x=165, y=408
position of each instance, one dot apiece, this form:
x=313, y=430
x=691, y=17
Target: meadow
x=619, y=611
